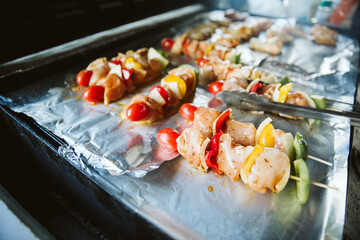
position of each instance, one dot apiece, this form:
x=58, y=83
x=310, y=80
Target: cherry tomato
x=167, y=139
x=164, y=94
x=201, y=61
x=220, y=122
x=187, y=111
x=256, y=87
x=185, y=45
x=167, y=43
x=83, y=77
x=117, y=62
x=137, y=111
x=126, y=74
x=215, y=87
x=94, y=94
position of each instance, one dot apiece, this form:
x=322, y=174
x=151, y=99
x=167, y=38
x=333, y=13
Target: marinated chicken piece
x=206, y=71
x=243, y=72
x=203, y=120
x=202, y=48
x=154, y=71
x=176, y=49
x=156, y=110
x=192, y=48
x=229, y=41
x=272, y=46
x=268, y=170
x=296, y=31
x=323, y=35
x=189, y=145
x=114, y=87
x=235, y=84
x=241, y=133
x=244, y=30
x=214, y=70
x=296, y=98
x=268, y=91
x=229, y=160
x=219, y=53
x=202, y=31
x=100, y=69
x=283, y=36
x=220, y=69
x=235, y=15
x=278, y=141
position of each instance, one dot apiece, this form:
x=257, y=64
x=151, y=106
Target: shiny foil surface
x=127, y=162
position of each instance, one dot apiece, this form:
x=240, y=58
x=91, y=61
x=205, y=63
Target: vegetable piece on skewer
x=187, y=111
x=216, y=87
x=300, y=145
x=83, y=77
x=303, y=185
x=155, y=54
x=319, y=101
x=167, y=139
x=284, y=80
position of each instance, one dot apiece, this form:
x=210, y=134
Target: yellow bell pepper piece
x=267, y=136
x=251, y=158
x=284, y=91
x=130, y=63
x=181, y=83
x=209, y=48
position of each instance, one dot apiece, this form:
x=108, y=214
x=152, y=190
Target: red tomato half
x=187, y=111
x=201, y=61
x=137, y=111
x=167, y=43
x=83, y=77
x=215, y=87
x=164, y=94
x=94, y=94
x=167, y=139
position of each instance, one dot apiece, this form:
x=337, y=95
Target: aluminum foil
x=178, y=199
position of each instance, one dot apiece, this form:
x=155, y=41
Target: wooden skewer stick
x=315, y=183
x=320, y=160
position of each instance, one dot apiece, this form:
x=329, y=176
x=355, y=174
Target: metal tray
x=166, y=197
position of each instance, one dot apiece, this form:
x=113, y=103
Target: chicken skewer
x=223, y=47
x=252, y=80
x=176, y=86
x=262, y=167
x=109, y=80
x=210, y=121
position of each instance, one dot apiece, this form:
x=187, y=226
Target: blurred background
x=32, y=26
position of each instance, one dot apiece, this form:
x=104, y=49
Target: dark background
x=30, y=26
